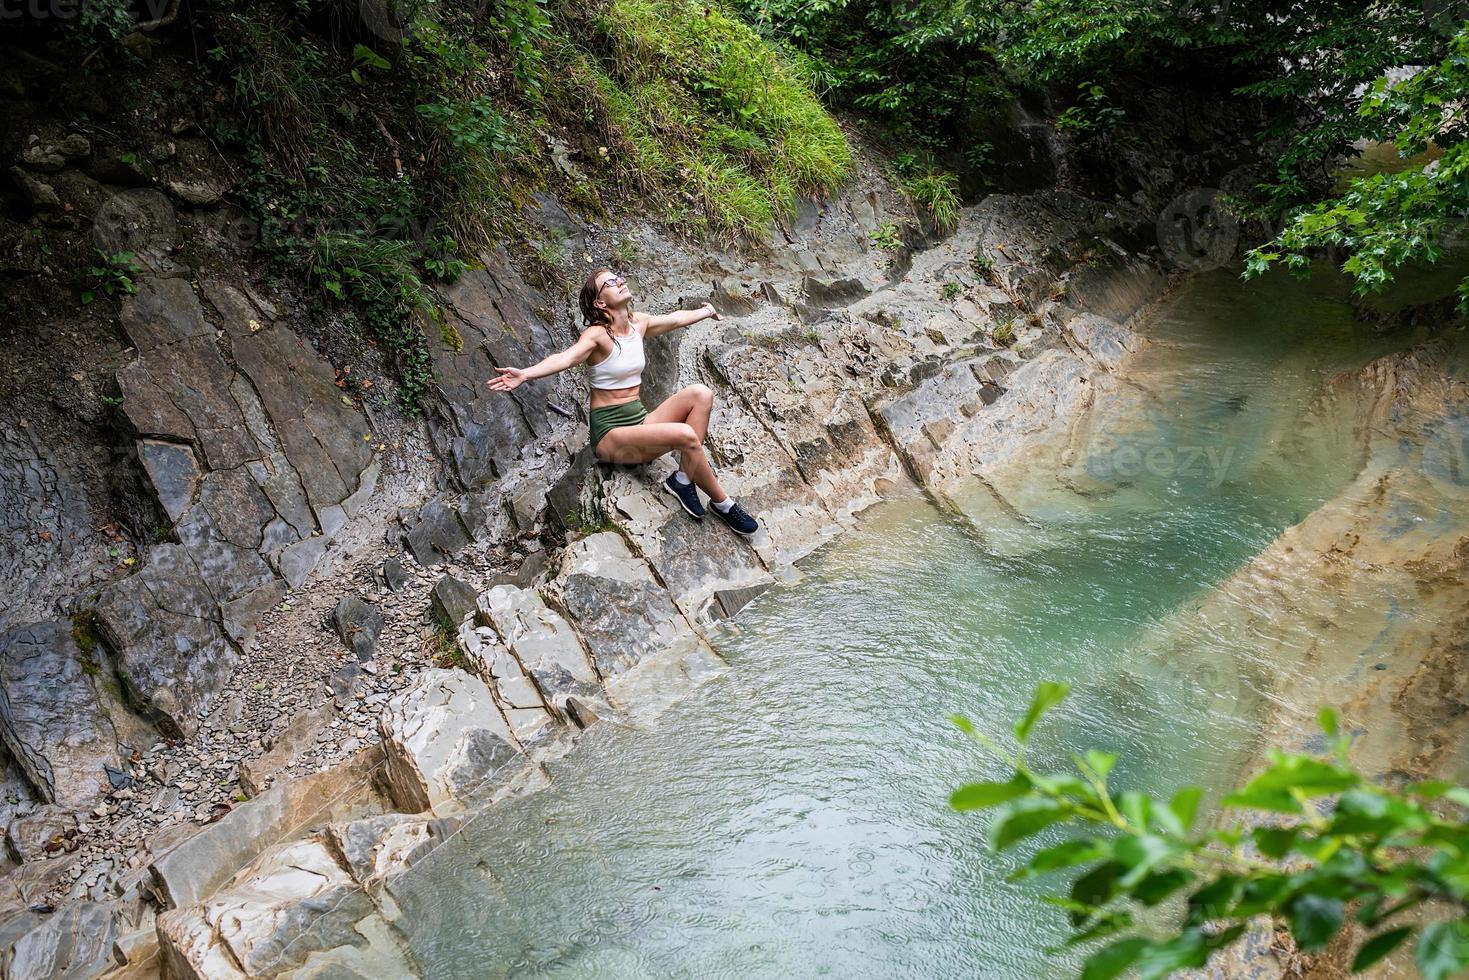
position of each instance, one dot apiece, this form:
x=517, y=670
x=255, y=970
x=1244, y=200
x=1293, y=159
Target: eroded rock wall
x=272, y=477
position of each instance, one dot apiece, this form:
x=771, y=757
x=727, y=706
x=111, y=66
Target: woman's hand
x=508, y=379
x=710, y=312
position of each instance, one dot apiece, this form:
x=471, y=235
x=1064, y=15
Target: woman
x=622, y=430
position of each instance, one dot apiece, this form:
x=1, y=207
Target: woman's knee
x=688, y=436
x=702, y=394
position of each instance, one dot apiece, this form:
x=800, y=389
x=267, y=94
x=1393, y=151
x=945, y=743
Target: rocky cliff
x=266, y=637
x=280, y=626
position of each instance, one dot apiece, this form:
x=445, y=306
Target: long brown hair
x=591, y=313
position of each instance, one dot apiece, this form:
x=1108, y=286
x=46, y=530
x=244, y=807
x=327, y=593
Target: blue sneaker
x=737, y=519
x=688, y=496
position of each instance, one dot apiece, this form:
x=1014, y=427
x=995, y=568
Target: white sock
x=681, y=478
x=724, y=505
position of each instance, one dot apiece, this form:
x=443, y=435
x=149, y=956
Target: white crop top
x=623, y=368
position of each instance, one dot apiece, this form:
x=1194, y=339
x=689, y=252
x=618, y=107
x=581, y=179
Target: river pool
x=789, y=818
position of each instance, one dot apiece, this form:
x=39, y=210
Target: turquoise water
x=789, y=819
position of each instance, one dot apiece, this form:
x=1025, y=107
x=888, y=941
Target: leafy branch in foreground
x=1322, y=847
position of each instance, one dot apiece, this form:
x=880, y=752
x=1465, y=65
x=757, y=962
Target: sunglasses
x=614, y=281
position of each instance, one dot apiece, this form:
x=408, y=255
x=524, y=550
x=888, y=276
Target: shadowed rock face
x=51, y=717
x=498, y=320
x=48, y=545
x=166, y=627
x=257, y=469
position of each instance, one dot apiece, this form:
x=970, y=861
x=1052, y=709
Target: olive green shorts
x=610, y=417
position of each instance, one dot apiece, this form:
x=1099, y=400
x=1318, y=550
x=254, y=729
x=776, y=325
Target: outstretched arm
x=665, y=322
x=511, y=378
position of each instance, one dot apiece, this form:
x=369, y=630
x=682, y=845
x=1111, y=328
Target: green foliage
x=442, y=647
x=280, y=79
x=84, y=635
x=1384, y=221
x=105, y=21
x=113, y=276
x=377, y=276
x=1092, y=112
x=1316, y=69
x=364, y=57
x=1323, y=849
x=1004, y=333
x=471, y=125
x=701, y=114
x=951, y=290
x=938, y=195
x=624, y=252
x=887, y=237
x=921, y=68
x=440, y=258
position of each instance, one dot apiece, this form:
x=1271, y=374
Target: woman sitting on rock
x=623, y=431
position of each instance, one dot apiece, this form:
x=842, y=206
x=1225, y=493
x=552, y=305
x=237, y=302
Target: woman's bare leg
x=643, y=443
x=692, y=406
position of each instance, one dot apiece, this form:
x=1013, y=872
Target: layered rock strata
x=616, y=626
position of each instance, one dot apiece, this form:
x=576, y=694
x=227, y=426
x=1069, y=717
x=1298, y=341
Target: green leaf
x=1371, y=812
x=1213, y=900
x=363, y=55
x=1274, y=800
x=1329, y=723
x=1140, y=855
x=1303, y=774
x=1274, y=842
x=1114, y=960
x=1109, y=924
x=963, y=724
x=1156, y=887
x=1047, y=695
x=1137, y=808
x=1260, y=894
x=1188, y=949
x=1443, y=947
x=979, y=796
x=1094, y=889
x=1379, y=946
x=1314, y=920
x=1100, y=762
x=1185, y=806
x=1023, y=817
x=1065, y=855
